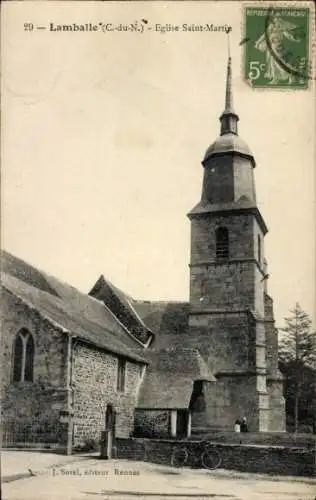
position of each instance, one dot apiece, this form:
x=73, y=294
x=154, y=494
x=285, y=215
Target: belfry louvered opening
x=222, y=243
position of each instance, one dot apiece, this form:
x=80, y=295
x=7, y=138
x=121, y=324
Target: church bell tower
x=231, y=314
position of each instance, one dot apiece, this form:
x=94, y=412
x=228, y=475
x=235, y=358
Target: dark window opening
x=29, y=359
x=121, y=369
x=197, y=402
x=259, y=249
x=23, y=364
x=222, y=243
x=18, y=354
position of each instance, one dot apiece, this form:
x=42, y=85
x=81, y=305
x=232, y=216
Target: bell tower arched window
x=23, y=362
x=222, y=243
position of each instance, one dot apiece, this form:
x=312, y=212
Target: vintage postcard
x=158, y=250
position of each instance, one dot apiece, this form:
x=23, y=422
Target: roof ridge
x=27, y=267
x=60, y=303
x=44, y=274
x=103, y=279
x=46, y=315
x=125, y=299
x=161, y=301
x=175, y=348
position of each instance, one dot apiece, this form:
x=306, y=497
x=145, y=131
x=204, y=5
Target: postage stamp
x=276, y=46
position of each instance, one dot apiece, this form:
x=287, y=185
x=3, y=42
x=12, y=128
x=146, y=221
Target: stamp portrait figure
x=277, y=30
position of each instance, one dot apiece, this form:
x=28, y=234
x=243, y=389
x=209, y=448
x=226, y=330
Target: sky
x=103, y=136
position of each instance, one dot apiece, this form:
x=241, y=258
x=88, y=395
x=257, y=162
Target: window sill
x=21, y=382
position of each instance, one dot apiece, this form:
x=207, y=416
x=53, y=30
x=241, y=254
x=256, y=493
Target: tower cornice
x=227, y=209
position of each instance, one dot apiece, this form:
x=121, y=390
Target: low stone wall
x=255, y=438
x=276, y=460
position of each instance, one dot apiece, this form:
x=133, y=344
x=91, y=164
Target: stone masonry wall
x=223, y=339
x=33, y=405
x=228, y=343
x=271, y=337
x=274, y=377
x=95, y=386
x=277, y=460
x=223, y=284
x=277, y=421
x=203, y=242
x=232, y=341
x=235, y=397
x=152, y=423
x=237, y=282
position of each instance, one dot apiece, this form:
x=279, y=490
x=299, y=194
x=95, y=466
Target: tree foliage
x=306, y=409
x=298, y=343
x=297, y=354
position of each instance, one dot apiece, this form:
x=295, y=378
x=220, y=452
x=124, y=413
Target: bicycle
x=206, y=456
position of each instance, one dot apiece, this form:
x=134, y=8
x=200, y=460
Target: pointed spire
x=229, y=118
x=229, y=95
x=229, y=108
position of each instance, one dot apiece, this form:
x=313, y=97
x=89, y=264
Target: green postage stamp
x=276, y=46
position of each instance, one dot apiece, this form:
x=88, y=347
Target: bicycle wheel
x=179, y=457
x=211, y=459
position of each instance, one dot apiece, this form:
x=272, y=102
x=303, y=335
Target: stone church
x=76, y=364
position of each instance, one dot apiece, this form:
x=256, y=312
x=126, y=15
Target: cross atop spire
x=229, y=118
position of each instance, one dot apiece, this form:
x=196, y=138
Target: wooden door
x=182, y=423
x=109, y=428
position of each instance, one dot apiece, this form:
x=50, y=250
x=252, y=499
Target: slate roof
x=164, y=317
x=74, y=312
x=229, y=143
x=170, y=376
x=25, y=272
x=122, y=305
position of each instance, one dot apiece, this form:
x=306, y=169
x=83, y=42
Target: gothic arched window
x=23, y=357
x=121, y=372
x=222, y=243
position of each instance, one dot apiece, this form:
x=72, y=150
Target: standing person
x=244, y=425
x=237, y=425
